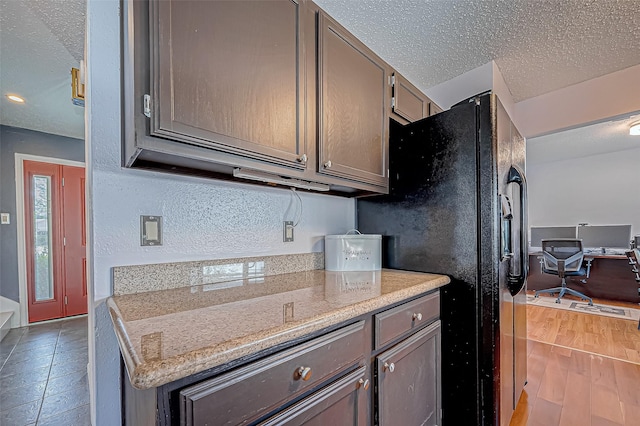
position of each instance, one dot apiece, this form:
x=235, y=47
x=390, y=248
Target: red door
x=75, y=245
x=55, y=240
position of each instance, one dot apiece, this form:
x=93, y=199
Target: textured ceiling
x=539, y=45
x=40, y=40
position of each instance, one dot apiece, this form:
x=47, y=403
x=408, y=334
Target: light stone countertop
x=170, y=334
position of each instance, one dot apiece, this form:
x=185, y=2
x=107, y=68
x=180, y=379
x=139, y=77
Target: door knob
x=390, y=367
x=327, y=165
x=363, y=383
x=303, y=373
x=302, y=159
x=417, y=316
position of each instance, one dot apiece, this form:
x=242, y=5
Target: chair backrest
x=567, y=249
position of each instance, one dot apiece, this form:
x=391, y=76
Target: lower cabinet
x=408, y=380
x=382, y=369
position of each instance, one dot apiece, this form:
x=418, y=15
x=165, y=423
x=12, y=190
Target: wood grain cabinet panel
x=408, y=380
x=408, y=102
x=343, y=402
x=244, y=395
x=411, y=316
x=352, y=107
x=228, y=75
x=434, y=109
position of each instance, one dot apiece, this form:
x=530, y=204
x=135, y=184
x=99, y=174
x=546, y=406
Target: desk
x=609, y=278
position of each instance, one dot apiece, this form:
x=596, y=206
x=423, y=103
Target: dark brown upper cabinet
x=276, y=87
x=352, y=107
x=434, y=109
x=408, y=101
x=225, y=75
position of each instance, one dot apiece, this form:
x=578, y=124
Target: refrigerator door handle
x=506, y=242
x=516, y=282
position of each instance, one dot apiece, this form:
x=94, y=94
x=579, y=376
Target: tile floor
x=43, y=375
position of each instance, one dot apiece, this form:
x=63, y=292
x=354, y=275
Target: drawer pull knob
x=363, y=383
x=302, y=159
x=417, y=317
x=327, y=165
x=390, y=367
x=303, y=373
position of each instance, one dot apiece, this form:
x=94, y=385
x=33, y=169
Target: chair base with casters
x=564, y=290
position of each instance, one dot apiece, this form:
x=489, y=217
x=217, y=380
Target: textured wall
x=15, y=140
x=203, y=219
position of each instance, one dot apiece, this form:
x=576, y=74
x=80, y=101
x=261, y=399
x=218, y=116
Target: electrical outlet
x=287, y=236
x=5, y=218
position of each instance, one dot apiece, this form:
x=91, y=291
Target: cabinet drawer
x=340, y=403
x=245, y=394
x=409, y=316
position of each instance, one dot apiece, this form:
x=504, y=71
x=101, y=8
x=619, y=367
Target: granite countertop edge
x=150, y=374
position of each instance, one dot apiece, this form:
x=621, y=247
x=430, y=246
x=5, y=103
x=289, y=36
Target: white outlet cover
x=5, y=218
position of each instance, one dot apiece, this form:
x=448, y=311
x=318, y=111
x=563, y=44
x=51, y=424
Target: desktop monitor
x=609, y=236
x=539, y=233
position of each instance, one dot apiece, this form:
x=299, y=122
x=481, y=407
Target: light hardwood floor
x=582, y=370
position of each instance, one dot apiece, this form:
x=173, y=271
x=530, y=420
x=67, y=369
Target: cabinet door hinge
x=147, y=105
x=62, y=181
x=66, y=301
x=64, y=241
x=393, y=80
x=393, y=102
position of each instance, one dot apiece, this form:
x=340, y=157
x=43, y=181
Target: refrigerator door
x=520, y=299
x=429, y=223
x=511, y=356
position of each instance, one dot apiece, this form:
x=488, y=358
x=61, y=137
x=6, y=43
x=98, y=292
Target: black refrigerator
x=457, y=206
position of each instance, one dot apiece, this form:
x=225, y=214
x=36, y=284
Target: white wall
x=478, y=80
x=586, y=175
x=464, y=86
x=203, y=219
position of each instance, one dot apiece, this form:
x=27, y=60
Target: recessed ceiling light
x=635, y=129
x=15, y=98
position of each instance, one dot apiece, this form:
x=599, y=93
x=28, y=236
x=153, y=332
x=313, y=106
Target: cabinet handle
x=389, y=367
x=417, y=316
x=363, y=383
x=302, y=158
x=327, y=165
x=303, y=373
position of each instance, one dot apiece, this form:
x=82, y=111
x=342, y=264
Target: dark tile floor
x=43, y=375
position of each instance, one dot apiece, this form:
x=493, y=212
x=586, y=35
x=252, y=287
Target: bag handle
x=352, y=230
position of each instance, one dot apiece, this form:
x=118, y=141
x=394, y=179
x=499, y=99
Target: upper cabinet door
x=352, y=107
x=434, y=109
x=228, y=75
x=408, y=102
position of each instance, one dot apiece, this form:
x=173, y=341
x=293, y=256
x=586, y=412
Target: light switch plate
x=288, y=231
x=5, y=218
x=150, y=230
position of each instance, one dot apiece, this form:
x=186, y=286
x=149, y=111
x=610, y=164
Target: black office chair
x=634, y=261
x=563, y=257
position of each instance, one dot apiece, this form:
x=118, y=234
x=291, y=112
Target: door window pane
x=43, y=255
